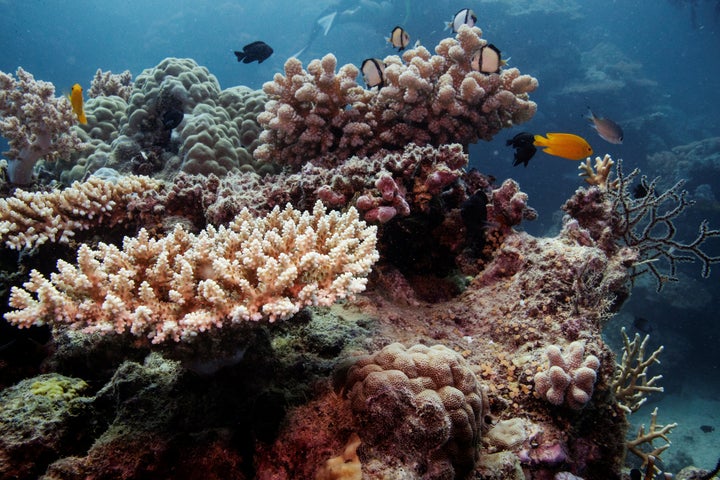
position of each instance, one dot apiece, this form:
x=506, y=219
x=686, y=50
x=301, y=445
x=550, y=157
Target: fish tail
x=81, y=118
x=540, y=141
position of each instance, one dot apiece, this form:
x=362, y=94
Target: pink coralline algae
x=570, y=378
x=426, y=99
x=35, y=123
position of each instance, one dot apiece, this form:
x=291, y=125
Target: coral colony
x=312, y=279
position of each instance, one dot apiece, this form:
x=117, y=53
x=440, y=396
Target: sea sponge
x=421, y=406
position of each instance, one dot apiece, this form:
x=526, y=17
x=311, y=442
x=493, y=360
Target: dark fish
x=399, y=38
x=487, y=60
x=172, y=118
x=373, y=71
x=606, y=128
x=255, y=51
x=635, y=474
x=707, y=428
x=463, y=17
x=473, y=212
x=643, y=325
x=523, y=143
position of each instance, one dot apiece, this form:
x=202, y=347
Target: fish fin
x=326, y=22
x=540, y=141
x=239, y=55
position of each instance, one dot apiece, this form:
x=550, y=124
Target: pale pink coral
x=175, y=287
x=426, y=99
x=570, y=378
x=35, y=123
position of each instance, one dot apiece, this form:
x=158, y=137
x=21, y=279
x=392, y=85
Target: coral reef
x=424, y=401
x=616, y=218
x=180, y=285
x=426, y=99
x=106, y=84
x=569, y=378
x=631, y=384
x=29, y=219
x=35, y=123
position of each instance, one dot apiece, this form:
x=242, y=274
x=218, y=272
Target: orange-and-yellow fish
x=76, y=100
x=565, y=145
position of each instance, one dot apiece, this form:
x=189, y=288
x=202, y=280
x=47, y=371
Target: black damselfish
x=524, y=147
x=255, y=51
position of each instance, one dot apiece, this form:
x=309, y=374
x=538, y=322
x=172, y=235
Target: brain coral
x=421, y=405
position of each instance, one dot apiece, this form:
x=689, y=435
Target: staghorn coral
x=630, y=383
x=569, y=378
x=654, y=432
x=29, y=219
x=35, y=123
x=426, y=99
x=180, y=285
x=600, y=176
x=106, y=84
x=422, y=400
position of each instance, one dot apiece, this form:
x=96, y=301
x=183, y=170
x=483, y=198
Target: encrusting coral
x=426, y=99
x=180, y=285
x=570, y=378
x=35, y=123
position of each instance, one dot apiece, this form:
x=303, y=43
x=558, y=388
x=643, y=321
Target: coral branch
x=35, y=123
x=630, y=382
x=655, y=431
x=177, y=286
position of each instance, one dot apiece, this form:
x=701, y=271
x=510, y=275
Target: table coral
x=180, y=285
x=35, y=123
x=426, y=99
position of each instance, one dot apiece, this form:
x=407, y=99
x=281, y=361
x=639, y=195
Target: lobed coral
x=180, y=285
x=569, y=378
x=422, y=400
x=35, y=123
x=426, y=99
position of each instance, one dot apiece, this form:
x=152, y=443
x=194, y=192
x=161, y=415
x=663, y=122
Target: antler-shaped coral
x=630, y=382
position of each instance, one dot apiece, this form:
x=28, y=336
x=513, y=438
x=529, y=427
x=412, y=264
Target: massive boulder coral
x=424, y=402
x=180, y=285
x=426, y=99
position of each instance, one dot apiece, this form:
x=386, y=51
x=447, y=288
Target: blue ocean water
x=651, y=65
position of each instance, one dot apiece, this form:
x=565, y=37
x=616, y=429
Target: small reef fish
x=643, y=325
x=76, y=100
x=487, y=60
x=606, y=128
x=463, y=17
x=523, y=143
x=473, y=212
x=172, y=118
x=399, y=38
x=565, y=145
x=255, y=51
x=373, y=71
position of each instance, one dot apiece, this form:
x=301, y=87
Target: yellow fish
x=76, y=100
x=565, y=145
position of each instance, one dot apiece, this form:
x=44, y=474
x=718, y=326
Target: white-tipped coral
x=175, y=287
x=569, y=379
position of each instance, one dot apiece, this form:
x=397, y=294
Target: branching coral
x=35, y=123
x=569, y=378
x=426, y=99
x=29, y=219
x=107, y=83
x=180, y=285
x=630, y=383
x=618, y=217
x=654, y=432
